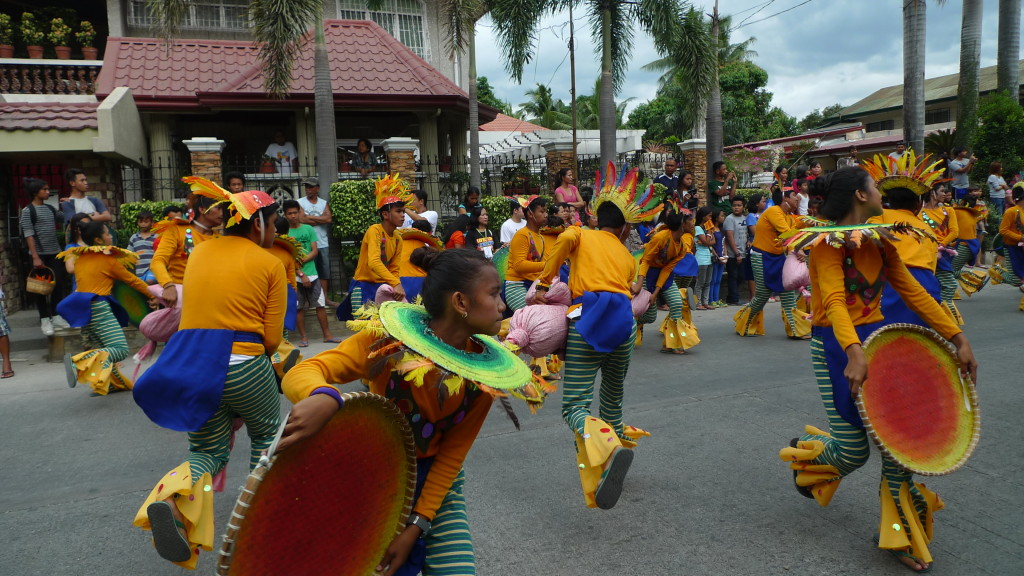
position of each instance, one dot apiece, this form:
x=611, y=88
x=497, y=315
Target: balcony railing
x=35, y=76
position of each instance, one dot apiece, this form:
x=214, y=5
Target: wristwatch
x=420, y=522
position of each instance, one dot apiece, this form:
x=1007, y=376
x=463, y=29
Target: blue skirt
x=945, y=262
x=686, y=267
x=651, y=281
x=1015, y=254
x=76, y=308
x=771, y=270
x=895, y=310
x=606, y=321
x=412, y=285
x=835, y=358
x=291, y=308
x=348, y=307
x=973, y=244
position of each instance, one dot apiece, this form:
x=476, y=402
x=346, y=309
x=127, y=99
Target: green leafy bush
x=128, y=216
x=999, y=137
x=353, y=211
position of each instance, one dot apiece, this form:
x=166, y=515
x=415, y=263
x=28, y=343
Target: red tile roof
x=24, y=116
x=369, y=69
x=503, y=123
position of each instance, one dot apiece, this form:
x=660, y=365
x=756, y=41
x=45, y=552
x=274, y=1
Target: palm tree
x=611, y=21
x=970, y=71
x=588, y=113
x=542, y=109
x=913, y=72
x=1008, y=61
x=714, y=141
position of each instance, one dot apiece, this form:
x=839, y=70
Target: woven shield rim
x=255, y=478
x=968, y=387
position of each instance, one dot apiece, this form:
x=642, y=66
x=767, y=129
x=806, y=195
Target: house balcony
x=48, y=77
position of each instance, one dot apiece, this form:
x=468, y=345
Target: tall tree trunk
x=970, y=71
x=1008, y=65
x=323, y=107
x=474, y=112
x=913, y=73
x=714, y=145
x=606, y=103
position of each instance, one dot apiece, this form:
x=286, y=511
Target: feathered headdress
x=391, y=190
x=907, y=172
x=241, y=205
x=622, y=192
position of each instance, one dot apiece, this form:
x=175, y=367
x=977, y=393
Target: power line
x=755, y=13
x=771, y=16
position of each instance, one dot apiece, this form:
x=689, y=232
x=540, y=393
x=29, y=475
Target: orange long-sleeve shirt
x=917, y=254
x=664, y=252
x=832, y=305
x=773, y=223
x=288, y=260
x=598, y=262
x=169, y=259
x=1012, y=226
x=377, y=247
x=95, y=273
x=967, y=221
x=407, y=269
x=348, y=362
x=526, y=255
x=947, y=228
x=235, y=284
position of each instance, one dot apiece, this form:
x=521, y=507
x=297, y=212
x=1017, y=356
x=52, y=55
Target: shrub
x=1000, y=136
x=353, y=211
x=6, y=32
x=59, y=32
x=30, y=32
x=86, y=34
x=129, y=213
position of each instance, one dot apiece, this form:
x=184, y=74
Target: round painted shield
x=914, y=404
x=330, y=504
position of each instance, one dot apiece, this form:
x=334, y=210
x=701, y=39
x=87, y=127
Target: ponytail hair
x=837, y=190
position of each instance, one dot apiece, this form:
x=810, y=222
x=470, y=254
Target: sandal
x=610, y=487
x=303, y=343
x=8, y=374
x=167, y=533
x=678, y=351
x=334, y=340
x=900, y=554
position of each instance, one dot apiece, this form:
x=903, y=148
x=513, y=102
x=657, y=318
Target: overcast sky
x=818, y=53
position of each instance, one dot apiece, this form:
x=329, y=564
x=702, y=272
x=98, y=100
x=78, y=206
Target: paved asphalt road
x=706, y=494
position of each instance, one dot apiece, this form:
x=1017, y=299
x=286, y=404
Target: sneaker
x=46, y=325
x=59, y=323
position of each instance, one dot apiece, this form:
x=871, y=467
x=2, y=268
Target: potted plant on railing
x=267, y=165
x=31, y=35
x=58, y=37
x=86, y=35
x=6, y=37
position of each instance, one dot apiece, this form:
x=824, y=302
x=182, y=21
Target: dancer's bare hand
x=398, y=551
x=856, y=368
x=964, y=354
x=307, y=418
x=170, y=295
x=399, y=292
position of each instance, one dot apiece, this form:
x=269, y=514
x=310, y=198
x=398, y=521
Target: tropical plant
x=542, y=109
x=30, y=32
x=86, y=34
x=612, y=23
x=970, y=72
x=354, y=210
x=128, y=216
x=6, y=31
x=940, y=141
x=1008, y=60
x=588, y=115
x=59, y=32
x=1000, y=135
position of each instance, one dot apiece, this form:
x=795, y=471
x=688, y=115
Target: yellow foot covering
x=195, y=502
x=678, y=334
x=802, y=323
x=278, y=358
x=1021, y=305
x=595, y=447
x=639, y=336
x=972, y=282
x=96, y=370
x=822, y=479
x=957, y=296
x=540, y=367
x=747, y=325
x=954, y=313
x=995, y=274
x=913, y=535
x=554, y=365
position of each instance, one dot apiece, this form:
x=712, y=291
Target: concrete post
x=558, y=154
x=401, y=153
x=695, y=159
x=206, y=161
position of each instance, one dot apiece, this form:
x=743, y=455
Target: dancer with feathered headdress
x=1011, y=231
x=216, y=367
x=601, y=331
x=381, y=248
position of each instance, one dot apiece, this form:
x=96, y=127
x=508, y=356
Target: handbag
x=794, y=273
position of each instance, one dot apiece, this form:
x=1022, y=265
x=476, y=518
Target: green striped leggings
x=947, y=284
x=675, y=306
x=104, y=329
x=515, y=295
x=250, y=392
x=762, y=293
x=581, y=365
x=847, y=449
x=963, y=256
x=449, y=544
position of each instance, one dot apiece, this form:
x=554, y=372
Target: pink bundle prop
x=794, y=273
x=386, y=294
x=641, y=302
x=540, y=329
x=157, y=326
x=558, y=293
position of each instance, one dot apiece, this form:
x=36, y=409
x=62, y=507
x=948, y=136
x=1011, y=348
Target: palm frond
x=515, y=24
x=168, y=16
x=280, y=27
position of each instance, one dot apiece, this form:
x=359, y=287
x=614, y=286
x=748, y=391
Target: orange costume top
x=770, y=225
x=967, y=220
x=287, y=258
x=236, y=285
x=833, y=305
x=407, y=269
x=95, y=273
x=526, y=256
x=917, y=254
x=176, y=240
x=598, y=260
x=379, y=257
x=448, y=445
x=1011, y=227
x=664, y=252
x=944, y=224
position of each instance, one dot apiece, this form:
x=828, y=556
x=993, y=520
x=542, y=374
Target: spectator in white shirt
x=283, y=153
x=418, y=211
x=513, y=224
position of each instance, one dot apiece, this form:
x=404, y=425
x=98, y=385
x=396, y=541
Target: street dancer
x=661, y=255
x=945, y=226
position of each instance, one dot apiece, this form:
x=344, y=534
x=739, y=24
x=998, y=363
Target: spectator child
x=470, y=200
x=720, y=258
x=704, y=241
x=141, y=243
x=455, y=234
x=735, y=230
x=514, y=222
x=311, y=293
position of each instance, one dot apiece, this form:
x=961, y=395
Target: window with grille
x=882, y=125
x=201, y=14
x=939, y=116
x=403, y=19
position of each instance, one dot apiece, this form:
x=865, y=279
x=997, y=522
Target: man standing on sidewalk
x=317, y=213
x=78, y=203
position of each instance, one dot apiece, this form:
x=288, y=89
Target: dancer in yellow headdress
x=601, y=331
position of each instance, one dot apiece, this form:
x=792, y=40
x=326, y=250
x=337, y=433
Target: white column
x=161, y=158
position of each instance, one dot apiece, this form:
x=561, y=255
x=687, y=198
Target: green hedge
x=353, y=211
x=499, y=209
x=129, y=212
